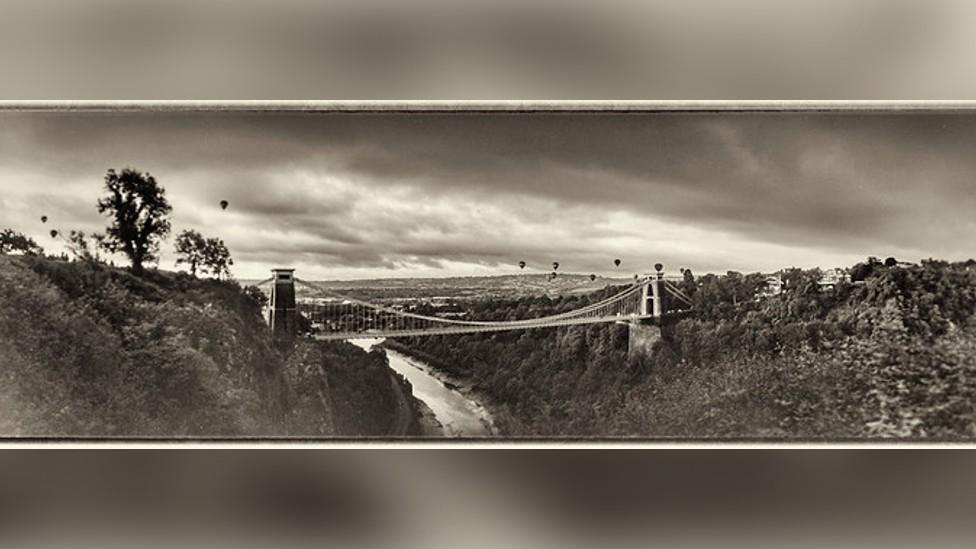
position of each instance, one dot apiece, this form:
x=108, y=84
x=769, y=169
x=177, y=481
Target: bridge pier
x=284, y=312
x=641, y=337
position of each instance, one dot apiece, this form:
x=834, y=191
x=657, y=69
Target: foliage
x=138, y=210
x=80, y=248
x=190, y=246
x=90, y=350
x=207, y=254
x=13, y=241
x=892, y=356
x=217, y=258
x=341, y=389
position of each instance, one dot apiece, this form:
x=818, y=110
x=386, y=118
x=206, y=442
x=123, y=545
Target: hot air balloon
x=54, y=233
x=521, y=264
x=658, y=267
x=43, y=219
x=592, y=277
x=616, y=262
x=224, y=204
x=555, y=265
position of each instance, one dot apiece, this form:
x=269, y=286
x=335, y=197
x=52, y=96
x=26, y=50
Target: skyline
x=347, y=196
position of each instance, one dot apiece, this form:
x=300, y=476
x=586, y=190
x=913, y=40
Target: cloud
x=470, y=193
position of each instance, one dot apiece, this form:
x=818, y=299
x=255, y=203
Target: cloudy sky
x=372, y=195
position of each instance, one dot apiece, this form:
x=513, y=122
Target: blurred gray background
x=440, y=50
x=455, y=50
x=464, y=498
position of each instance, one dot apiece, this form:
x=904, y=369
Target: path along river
x=458, y=413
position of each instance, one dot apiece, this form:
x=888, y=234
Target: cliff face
x=89, y=350
x=357, y=391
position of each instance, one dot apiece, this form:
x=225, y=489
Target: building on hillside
x=773, y=286
x=832, y=277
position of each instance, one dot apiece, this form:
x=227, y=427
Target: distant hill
x=505, y=286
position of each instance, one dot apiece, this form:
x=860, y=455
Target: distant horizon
x=667, y=273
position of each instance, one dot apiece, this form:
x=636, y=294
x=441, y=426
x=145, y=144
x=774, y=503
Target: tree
x=863, y=271
x=203, y=254
x=80, y=248
x=256, y=295
x=137, y=207
x=191, y=249
x=12, y=241
x=217, y=258
x=688, y=283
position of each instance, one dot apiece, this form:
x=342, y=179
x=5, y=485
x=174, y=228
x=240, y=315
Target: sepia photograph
x=539, y=273
x=463, y=274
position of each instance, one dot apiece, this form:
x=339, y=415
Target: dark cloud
x=711, y=191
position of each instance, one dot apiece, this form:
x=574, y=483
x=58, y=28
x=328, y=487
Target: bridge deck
x=461, y=329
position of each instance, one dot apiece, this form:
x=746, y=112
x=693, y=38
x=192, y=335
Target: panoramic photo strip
x=674, y=276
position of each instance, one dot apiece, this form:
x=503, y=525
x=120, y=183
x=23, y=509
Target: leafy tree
x=863, y=271
x=217, y=258
x=256, y=295
x=191, y=250
x=137, y=207
x=204, y=254
x=12, y=241
x=890, y=262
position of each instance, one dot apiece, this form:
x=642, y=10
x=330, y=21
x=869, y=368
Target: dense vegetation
x=91, y=350
x=87, y=349
x=893, y=355
x=350, y=386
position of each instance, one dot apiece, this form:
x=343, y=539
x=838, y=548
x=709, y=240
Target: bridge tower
x=284, y=313
x=645, y=331
x=654, y=298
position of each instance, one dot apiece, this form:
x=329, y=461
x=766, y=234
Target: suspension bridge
x=336, y=316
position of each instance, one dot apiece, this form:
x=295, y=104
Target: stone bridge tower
x=283, y=314
x=645, y=331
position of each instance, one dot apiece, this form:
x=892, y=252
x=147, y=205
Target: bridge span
x=335, y=316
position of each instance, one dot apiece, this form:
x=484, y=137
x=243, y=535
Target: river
x=459, y=414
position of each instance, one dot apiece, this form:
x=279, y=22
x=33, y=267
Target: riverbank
x=449, y=408
x=427, y=421
x=482, y=405
x=413, y=416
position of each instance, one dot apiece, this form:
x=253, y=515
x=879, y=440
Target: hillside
x=894, y=356
x=90, y=350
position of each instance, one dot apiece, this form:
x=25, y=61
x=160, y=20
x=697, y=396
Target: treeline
x=138, y=214
x=890, y=356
